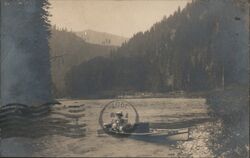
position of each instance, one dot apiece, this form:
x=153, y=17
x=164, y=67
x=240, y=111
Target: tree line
x=202, y=47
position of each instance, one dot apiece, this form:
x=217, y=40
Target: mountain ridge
x=101, y=38
x=69, y=50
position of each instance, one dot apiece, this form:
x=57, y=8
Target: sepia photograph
x=124, y=78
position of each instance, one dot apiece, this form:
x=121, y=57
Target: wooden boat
x=120, y=126
x=169, y=134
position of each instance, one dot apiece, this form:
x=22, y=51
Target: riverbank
x=231, y=108
x=140, y=95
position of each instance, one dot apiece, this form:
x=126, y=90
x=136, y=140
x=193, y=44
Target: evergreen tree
x=25, y=67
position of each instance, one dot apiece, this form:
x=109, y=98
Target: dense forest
x=202, y=47
x=67, y=51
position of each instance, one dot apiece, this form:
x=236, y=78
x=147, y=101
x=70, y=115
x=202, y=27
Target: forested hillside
x=68, y=50
x=202, y=47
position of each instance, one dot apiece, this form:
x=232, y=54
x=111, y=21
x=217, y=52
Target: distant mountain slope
x=67, y=51
x=101, y=38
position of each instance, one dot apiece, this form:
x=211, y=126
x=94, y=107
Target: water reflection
x=18, y=120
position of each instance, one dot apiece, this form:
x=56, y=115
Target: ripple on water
x=18, y=120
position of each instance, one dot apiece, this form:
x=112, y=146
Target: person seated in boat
x=119, y=123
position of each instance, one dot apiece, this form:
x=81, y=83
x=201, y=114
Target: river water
x=70, y=129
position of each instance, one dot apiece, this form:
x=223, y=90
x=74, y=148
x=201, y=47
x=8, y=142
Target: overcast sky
x=120, y=17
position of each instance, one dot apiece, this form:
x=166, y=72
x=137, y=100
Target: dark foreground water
x=70, y=129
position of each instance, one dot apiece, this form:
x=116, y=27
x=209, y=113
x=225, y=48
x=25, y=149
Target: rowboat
x=119, y=125
x=141, y=130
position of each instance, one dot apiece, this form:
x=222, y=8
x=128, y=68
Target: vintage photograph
x=124, y=78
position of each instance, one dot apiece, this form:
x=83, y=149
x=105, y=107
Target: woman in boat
x=119, y=123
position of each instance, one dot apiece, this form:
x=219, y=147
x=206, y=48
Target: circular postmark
x=118, y=118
